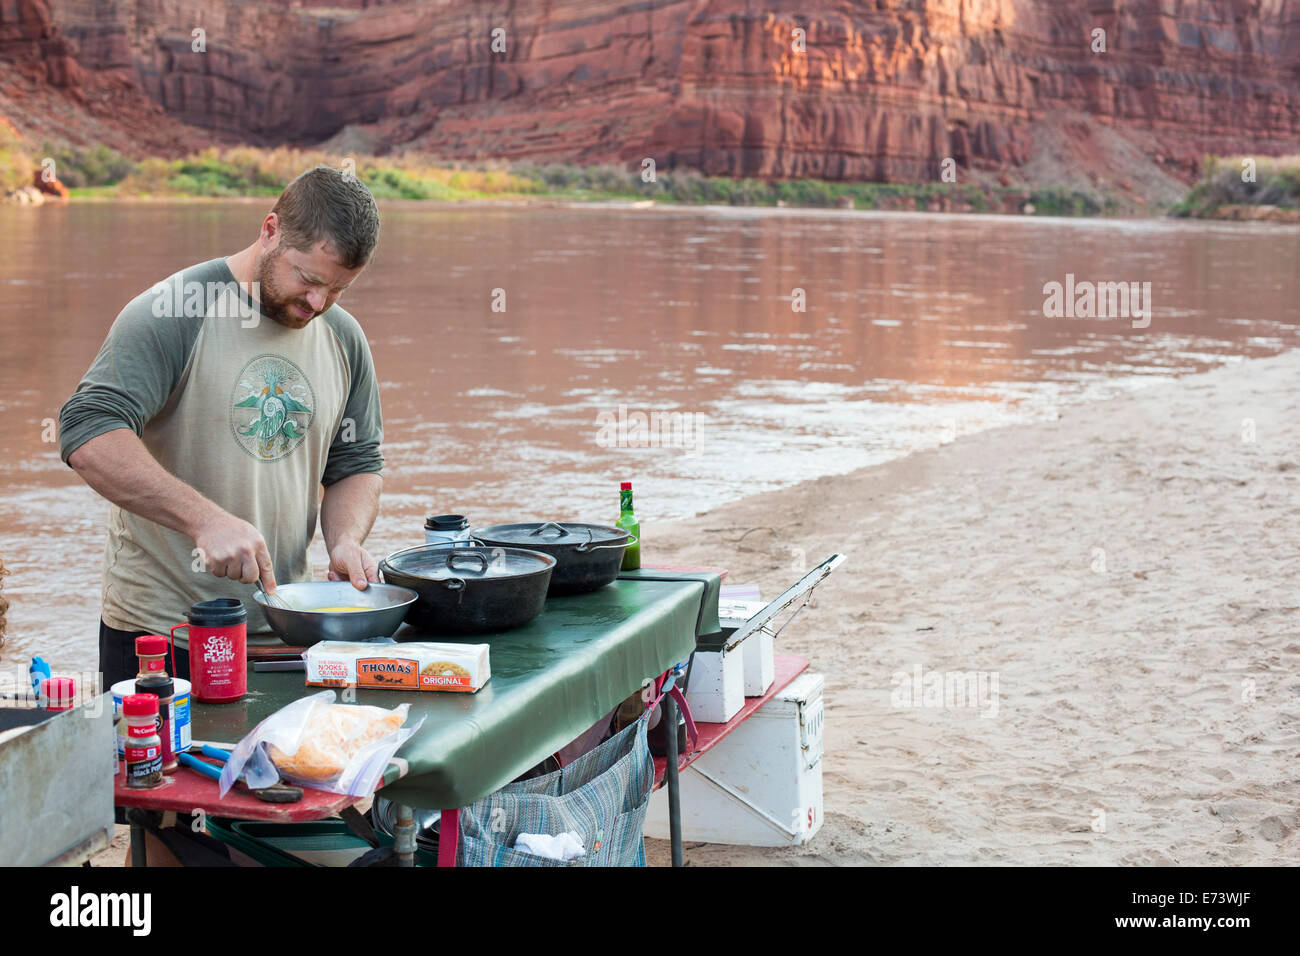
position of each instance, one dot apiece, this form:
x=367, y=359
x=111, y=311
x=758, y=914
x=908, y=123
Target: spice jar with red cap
x=58, y=693
x=144, y=755
x=151, y=649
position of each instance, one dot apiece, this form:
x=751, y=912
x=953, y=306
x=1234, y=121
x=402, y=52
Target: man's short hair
x=324, y=203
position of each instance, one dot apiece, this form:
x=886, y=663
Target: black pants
x=117, y=660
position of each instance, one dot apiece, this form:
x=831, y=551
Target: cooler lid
x=802, y=588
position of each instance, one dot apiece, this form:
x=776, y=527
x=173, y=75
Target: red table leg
x=448, y=821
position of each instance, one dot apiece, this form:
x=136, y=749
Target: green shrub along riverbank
x=1243, y=187
x=100, y=172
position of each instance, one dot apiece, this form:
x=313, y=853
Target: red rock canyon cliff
x=871, y=89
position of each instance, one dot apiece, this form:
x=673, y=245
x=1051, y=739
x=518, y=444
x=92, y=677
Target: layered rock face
x=31, y=44
x=857, y=89
x=47, y=93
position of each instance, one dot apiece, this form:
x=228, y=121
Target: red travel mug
x=218, y=632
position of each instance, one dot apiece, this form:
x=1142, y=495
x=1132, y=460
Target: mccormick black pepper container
x=143, y=745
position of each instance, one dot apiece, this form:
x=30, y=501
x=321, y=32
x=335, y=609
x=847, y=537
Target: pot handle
x=481, y=558
x=588, y=546
x=552, y=524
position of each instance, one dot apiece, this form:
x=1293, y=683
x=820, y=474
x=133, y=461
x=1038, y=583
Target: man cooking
x=222, y=401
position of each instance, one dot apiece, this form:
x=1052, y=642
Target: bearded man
x=230, y=407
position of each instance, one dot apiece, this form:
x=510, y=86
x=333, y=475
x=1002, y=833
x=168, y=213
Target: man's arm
x=118, y=466
x=352, y=470
x=347, y=512
x=137, y=368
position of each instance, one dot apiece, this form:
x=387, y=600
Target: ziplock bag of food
x=314, y=742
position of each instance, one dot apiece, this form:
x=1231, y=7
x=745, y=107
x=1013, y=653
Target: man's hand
x=234, y=549
x=351, y=562
x=347, y=511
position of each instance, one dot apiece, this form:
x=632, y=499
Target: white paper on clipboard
x=804, y=586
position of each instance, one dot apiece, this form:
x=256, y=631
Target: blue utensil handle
x=215, y=752
x=194, y=763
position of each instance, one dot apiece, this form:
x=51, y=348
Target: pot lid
x=542, y=533
x=439, y=562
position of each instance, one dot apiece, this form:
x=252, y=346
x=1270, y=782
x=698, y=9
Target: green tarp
x=551, y=681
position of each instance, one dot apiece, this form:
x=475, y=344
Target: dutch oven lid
x=440, y=561
x=533, y=533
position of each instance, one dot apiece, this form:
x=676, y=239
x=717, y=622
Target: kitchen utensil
x=470, y=589
x=385, y=604
x=276, y=793
x=276, y=599
x=264, y=666
x=587, y=556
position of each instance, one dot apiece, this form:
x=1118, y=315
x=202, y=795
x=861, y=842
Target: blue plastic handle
x=215, y=752
x=194, y=763
x=38, y=672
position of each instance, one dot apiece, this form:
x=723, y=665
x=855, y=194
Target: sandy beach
x=1127, y=575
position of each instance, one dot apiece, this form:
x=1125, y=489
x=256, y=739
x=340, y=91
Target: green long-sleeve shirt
x=253, y=415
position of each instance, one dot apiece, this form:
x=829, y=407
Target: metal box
x=761, y=785
x=758, y=652
x=716, y=689
x=56, y=783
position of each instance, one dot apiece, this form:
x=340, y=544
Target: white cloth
x=565, y=846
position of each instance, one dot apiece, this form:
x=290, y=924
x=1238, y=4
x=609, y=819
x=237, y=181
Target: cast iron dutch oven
x=470, y=590
x=588, y=556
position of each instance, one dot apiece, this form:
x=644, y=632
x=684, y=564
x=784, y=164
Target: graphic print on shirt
x=272, y=405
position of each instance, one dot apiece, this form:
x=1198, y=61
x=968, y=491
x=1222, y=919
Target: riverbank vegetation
x=15, y=163
x=1244, y=187
x=100, y=172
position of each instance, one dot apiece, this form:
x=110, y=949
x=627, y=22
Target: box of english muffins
x=394, y=665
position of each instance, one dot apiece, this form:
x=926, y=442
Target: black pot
x=470, y=590
x=588, y=556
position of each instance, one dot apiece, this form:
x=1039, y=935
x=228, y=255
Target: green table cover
x=552, y=679
x=707, y=623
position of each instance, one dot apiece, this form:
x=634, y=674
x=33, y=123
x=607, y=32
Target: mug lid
x=446, y=523
x=217, y=612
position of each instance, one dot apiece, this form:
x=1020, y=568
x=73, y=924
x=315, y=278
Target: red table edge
x=787, y=668
x=684, y=569
x=190, y=791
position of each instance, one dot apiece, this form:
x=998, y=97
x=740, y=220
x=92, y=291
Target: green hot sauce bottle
x=627, y=521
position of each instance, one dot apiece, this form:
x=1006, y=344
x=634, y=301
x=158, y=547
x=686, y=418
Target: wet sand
x=1128, y=574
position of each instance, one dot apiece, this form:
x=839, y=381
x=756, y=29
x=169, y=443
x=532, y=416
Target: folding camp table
x=552, y=680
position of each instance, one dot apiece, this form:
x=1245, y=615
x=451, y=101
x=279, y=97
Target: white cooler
x=761, y=785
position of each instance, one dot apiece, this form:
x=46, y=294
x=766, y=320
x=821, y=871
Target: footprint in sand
x=1274, y=830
